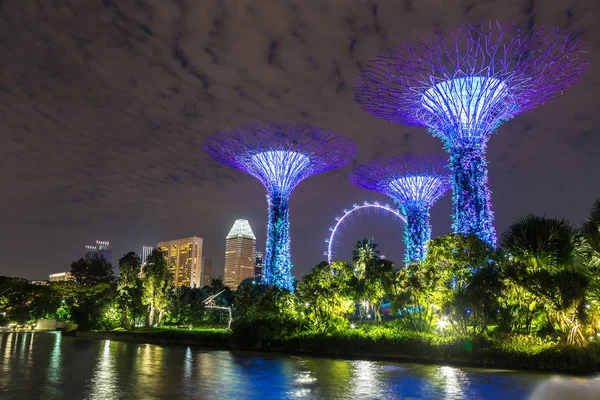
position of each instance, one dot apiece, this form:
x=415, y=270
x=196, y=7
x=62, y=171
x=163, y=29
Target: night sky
x=104, y=106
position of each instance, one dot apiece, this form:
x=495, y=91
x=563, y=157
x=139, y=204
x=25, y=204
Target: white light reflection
x=365, y=380
x=454, y=382
x=55, y=367
x=104, y=381
x=187, y=363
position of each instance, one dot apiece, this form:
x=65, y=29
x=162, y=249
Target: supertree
x=462, y=85
x=415, y=184
x=280, y=155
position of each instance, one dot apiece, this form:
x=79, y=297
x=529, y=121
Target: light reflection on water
x=56, y=367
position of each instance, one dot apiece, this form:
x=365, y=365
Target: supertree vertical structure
x=462, y=85
x=280, y=155
x=415, y=183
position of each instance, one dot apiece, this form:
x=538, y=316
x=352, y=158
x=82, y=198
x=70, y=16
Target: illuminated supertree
x=415, y=184
x=280, y=155
x=462, y=85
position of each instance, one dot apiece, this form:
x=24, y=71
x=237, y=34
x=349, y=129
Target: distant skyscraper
x=258, y=265
x=206, y=272
x=101, y=248
x=146, y=251
x=184, y=257
x=61, y=277
x=240, y=254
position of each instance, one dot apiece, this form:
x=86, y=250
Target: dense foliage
x=539, y=292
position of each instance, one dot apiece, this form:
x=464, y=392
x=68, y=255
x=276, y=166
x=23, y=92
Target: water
x=52, y=366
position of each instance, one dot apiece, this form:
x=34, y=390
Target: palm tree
x=590, y=237
x=546, y=250
x=540, y=242
x=365, y=252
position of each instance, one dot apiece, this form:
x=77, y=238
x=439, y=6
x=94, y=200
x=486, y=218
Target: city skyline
x=102, y=132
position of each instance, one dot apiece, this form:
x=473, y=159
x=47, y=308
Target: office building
x=258, y=265
x=61, y=277
x=184, y=258
x=101, y=248
x=240, y=254
x=206, y=272
x=146, y=251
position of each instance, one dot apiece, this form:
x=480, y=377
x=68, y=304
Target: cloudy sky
x=104, y=106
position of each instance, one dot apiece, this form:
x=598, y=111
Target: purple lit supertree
x=462, y=85
x=415, y=184
x=280, y=155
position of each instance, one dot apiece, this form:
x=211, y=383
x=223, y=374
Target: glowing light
x=417, y=188
x=352, y=326
x=462, y=85
x=280, y=155
x=442, y=323
x=280, y=168
x=468, y=101
x=415, y=183
x=357, y=207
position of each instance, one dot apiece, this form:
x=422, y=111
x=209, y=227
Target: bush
x=256, y=333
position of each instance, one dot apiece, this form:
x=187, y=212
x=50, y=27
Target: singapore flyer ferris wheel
x=348, y=214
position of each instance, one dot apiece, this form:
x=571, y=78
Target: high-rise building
x=206, y=271
x=146, y=251
x=258, y=265
x=61, y=277
x=184, y=258
x=101, y=248
x=240, y=254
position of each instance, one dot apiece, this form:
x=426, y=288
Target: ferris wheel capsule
x=355, y=205
x=338, y=218
x=366, y=203
x=376, y=202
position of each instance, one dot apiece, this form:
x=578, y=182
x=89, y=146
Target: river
x=47, y=365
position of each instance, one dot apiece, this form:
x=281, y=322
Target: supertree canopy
x=462, y=85
x=415, y=183
x=280, y=155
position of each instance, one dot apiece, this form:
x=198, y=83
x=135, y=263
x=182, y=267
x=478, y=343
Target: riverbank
x=516, y=353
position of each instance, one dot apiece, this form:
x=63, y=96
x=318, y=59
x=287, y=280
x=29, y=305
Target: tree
x=457, y=258
x=92, y=270
x=156, y=283
x=412, y=290
x=323, y=293
x=589, y=249
x=128, y=293
x=365, y=251
x=186, y=305
x=545, y=250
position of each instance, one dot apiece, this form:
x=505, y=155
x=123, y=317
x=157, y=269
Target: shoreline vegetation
x=533, y=303
x=515, y=353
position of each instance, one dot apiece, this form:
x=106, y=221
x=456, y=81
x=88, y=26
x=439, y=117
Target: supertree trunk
x=278, y=264
x=471, y=196
x=417, y=232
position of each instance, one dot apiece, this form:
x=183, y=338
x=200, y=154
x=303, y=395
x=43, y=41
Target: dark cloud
x=104, y=105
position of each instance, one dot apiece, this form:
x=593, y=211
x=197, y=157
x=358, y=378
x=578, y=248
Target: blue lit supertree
x=415, y=184
x=280, y=155
x=462, y=85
